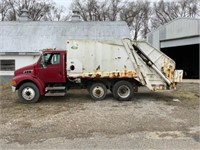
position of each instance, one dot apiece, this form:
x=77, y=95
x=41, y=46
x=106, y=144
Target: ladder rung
x=55, y=94
x=56, y=88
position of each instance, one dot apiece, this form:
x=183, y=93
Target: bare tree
x=137, y=15
x=90, y=10
x=4, y=7
x=38, y=9
x=140, y=16
x=83, y=7
x=115, y=6
x=94, y=10
x=13, y=12
x=147, y=13
x=165, y=11
x=55, y=14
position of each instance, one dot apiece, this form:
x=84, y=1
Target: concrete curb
x=191, y=81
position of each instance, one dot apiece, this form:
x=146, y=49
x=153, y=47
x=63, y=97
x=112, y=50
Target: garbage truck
x=118, y=66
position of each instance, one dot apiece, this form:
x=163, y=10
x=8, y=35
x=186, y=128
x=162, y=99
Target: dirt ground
x=169, y=116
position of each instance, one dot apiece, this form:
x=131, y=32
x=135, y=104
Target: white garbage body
x=121, y=59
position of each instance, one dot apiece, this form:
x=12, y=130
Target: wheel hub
x=98, y=92
x=28, y=93
x=123, y=91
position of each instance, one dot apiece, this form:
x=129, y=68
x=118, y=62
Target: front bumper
x=13, y=88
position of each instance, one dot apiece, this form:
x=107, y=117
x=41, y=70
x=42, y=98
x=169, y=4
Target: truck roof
x=54, y=51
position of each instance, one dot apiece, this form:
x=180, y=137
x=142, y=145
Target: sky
x=67, y=3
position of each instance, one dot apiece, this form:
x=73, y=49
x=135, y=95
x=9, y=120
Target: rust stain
x=173, y=86
x=168, y=69
x=158, y=87
x=98, y=75
x=115, y=74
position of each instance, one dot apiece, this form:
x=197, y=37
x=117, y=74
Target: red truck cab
x=32, y=81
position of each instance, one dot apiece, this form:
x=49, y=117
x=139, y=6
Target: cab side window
x=55, y=59
x=50, y=59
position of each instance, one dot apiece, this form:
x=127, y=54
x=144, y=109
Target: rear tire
x=28, y=93
x=123, y=90
x=98, y=91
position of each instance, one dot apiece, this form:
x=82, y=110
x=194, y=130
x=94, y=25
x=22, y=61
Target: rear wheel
x=28, y=93
x=123, y=90
x=98, y=91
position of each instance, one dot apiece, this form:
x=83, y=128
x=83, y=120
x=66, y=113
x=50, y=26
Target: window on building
x=7, y=65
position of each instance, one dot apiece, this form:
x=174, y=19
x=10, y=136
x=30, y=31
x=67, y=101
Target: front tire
x=123, y=90
x=98, y=91
x=28, y=93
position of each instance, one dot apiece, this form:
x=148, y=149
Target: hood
x=25, y=70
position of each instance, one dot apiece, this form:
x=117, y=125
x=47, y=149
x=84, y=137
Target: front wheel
x=98, y=91
x=123, y=90
x=28, y=93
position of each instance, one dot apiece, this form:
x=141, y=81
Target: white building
x=180, y=40
x=22, y=41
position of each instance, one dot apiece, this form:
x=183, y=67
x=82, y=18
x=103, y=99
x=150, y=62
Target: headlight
x=13, y=83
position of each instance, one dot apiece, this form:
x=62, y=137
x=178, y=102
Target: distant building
x=21, y=41
x=180, y=40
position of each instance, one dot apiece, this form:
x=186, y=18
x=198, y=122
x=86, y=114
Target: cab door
x=52, y=68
